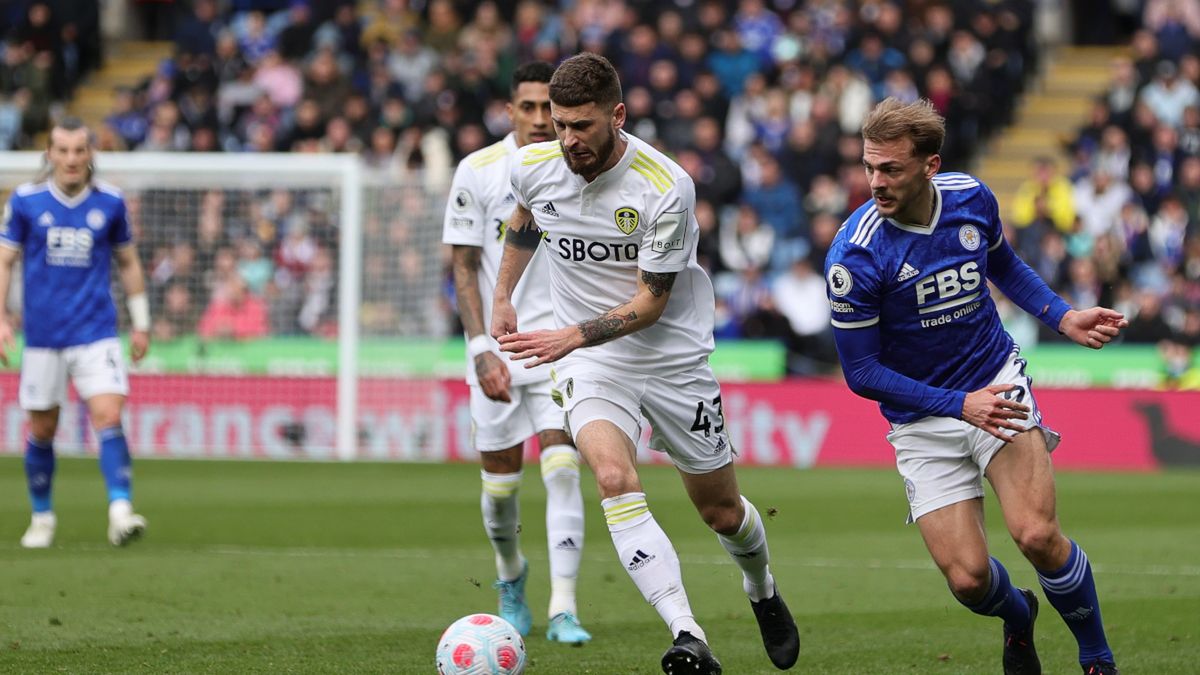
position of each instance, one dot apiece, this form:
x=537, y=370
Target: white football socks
x=501, y=515
x=564, y=524
x=748, y=548
x=650, y=560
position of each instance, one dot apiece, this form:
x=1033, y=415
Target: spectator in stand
x=797, y=294
x=296, y=37
x=197, y=32
x=1098, y=201
x=234, y=313
x=1044, y=197
x=778, y=203
x=1168, y=95
x=177, y=317
x=745, y=241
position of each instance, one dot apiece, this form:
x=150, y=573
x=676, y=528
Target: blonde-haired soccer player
x=67, y=229
x=616, y=219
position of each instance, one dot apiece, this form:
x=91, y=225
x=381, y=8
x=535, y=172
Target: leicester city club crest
x=969, y=237
x=627, y=219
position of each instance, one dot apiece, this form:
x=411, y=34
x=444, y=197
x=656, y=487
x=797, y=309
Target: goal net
x=298, y=308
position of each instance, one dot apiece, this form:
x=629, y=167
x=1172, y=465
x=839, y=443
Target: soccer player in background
x=66, y=230
x=509, y=404
x=616, y=218
x=917, y=331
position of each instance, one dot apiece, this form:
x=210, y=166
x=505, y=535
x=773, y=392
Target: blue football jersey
x=67, y=247
x=925, y=287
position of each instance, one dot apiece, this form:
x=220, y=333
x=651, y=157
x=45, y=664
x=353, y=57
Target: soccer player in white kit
x=509, y=404
x=66, y=230
x=634, y=311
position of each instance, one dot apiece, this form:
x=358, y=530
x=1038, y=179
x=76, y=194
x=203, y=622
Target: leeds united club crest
x=627, y=219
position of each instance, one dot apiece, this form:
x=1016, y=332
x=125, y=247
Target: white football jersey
x=481, y=202
x=638, y=215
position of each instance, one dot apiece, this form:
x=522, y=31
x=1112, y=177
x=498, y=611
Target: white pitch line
x=715, y=560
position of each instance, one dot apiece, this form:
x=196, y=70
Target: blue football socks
x=1072, y=591
x=114, y=462
x=1002, y=599
x=39, y=472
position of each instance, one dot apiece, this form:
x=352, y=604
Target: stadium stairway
x=1054, y=107
x=126, y=65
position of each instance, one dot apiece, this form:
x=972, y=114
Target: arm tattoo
x=466, y=261
x=658, y=282
x=466, y=287
x=526, y=235
x=607, y=327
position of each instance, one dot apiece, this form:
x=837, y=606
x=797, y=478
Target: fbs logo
x=627, y=219
x=640, y=560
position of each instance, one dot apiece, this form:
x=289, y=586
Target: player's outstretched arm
x=129, y=268
x=8, y=256
x=521, y=239
x=644, y=309
x=493, y=375
x=1093, y=327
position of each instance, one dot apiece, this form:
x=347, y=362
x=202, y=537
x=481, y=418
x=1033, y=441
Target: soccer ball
x=481, y=644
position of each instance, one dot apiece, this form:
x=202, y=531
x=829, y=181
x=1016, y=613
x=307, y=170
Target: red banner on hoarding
x=799, y=423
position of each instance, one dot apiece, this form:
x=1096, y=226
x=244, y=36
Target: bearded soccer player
x=66, y=230
x=509, y=404
x=616, y=219
x=917, y=331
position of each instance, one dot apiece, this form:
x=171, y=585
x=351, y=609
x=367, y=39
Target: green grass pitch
x=304, y=567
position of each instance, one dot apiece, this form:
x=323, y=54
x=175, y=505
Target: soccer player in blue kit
x=66, y=230
x=917, y=331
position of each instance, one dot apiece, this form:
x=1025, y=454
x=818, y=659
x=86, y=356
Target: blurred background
x=1084, y=118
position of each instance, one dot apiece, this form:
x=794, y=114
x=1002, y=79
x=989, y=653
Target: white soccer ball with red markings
x=481, y=644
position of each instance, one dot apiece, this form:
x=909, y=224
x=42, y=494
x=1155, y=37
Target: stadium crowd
x=760, y=101
x=48, y=45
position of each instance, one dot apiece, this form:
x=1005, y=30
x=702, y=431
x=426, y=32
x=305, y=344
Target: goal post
x=198, y=220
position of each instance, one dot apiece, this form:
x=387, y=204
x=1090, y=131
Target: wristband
x=139, y=311
x=480, y=344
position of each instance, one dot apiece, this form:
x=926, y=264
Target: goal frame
x=265, y=170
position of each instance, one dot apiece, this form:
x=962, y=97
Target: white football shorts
x=943, y=459
x=684, y=409
x=94, y=368
x=497, y=425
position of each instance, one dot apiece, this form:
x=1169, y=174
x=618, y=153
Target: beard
x=590, y=165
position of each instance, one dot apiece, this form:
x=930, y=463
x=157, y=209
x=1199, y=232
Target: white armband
x=480, y=344
x=139, y=311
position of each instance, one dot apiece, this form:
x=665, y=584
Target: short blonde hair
x=894, y=119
